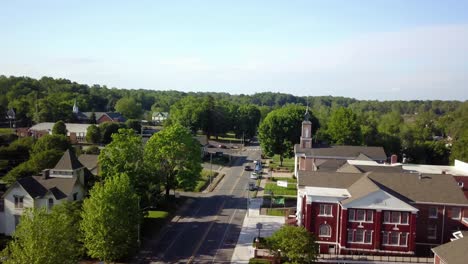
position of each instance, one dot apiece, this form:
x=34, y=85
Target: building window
x=369, y=216
x=404, y=218
x=326, y=209
x=403, y=239
x=394, y=238
x=359, y=236
x=432, y=212
x=368, y=237
x=325, y=230
x=351, y=215
x=395, y=217
x=456, y=213
x=385, y=238
x=19, y=202
x=360, y=215
x=386, y=217
x=50, y=203
x=432, y=232
x=75, y=196
x=350, y=235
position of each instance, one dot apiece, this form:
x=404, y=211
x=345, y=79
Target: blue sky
x=376, y=49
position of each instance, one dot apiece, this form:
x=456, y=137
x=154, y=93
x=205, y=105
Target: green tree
x=246, y=121
x=129, y=107
x=125, y=155
x=43, y=237
x=59, y=128
x=281, y=129
x=133, y=124
x=460, y=149
x=93, y=134
x=344, y=128
x=110, y=219
x=176, y=156
x=57, y=142
x=107, y=129
x=295, y=244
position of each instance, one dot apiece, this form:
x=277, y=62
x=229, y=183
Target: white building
x=76, y=132
x=65, y=182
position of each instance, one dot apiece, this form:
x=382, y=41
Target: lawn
x=157, y=214
x=287, y=162
x=277, y=190
x=275, y=212
x=204, y=180
x=289, y=180
x=6, y=131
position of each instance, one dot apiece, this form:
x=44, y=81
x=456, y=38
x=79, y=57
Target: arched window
x=51, y=203
x=325, y=230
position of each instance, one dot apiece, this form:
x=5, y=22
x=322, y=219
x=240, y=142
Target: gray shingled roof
x=343, y=152
x=90, y=162
x=368, y=168
x=361, y=188
x=453, y=252
x=431, y=188
x=68, y=161
x=36, y=186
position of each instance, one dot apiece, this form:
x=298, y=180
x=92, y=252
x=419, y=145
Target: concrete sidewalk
x=244, y=249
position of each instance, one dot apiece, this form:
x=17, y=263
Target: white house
x=159, y=117
x=65, y=182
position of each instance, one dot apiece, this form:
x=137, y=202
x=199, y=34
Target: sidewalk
x=244, y=249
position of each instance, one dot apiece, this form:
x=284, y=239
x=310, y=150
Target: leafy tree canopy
x=59, y=128
x=293, y=243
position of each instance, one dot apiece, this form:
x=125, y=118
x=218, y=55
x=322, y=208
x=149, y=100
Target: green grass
x=157, y=214
x=275, y=212
x=287, y=162
x=289, y=180
x=277, y=190
x=228, y=137
x=204, y=180
x=259, y=261
x=6, y=131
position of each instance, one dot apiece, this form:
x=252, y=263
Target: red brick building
x=355, y=203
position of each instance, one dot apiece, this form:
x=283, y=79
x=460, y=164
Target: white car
x=254, y=175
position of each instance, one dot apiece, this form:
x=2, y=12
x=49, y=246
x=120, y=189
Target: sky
x=379, y=50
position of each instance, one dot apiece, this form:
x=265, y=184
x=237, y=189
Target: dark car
x=247, y=168
x=222, y=146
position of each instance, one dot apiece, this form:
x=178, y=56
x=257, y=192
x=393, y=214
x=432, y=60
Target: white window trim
x=363, y=237
x=390, y=238
x=406, y=240
x=16, y=205
x=399, y=219
x=359, y=221
x=326, y=215
x=329, y=228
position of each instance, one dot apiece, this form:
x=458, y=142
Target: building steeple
x=306, y=135
x=75, y=108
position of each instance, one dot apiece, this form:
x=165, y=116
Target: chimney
x=45, y=174
x=393, y=159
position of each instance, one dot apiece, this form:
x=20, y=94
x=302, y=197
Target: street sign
x=282, y=184
x=259, y=225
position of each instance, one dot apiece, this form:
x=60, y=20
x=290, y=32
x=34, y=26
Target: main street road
x=207, y=230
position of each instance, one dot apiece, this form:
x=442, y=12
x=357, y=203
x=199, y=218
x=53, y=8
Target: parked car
x=253, y=176
x=252, y=186
x=247, y=168
x=222, y=146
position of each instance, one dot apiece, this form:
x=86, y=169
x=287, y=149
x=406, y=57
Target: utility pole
x=211, y=167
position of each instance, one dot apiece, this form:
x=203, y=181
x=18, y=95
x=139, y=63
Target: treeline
x=423, y=131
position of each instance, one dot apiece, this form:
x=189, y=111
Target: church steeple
x=75, y=108
x=306, y=135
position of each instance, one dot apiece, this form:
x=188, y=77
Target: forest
x=431, y=132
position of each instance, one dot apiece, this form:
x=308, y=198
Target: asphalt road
x=206, y=231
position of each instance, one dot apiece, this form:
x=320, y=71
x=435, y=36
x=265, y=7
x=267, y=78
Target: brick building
x=355, y=202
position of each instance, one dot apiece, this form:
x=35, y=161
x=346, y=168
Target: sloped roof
x=68, y=161
x=31, y=186
x=327, y=179
x=112, y=115
x=349, y=168
x=330, y=165
x=363, y=157
x=89, y=161
x=60, y=187
x=71, y=127
x=453, y=252
x=361, y=188
x=431, y=188
x=343, y=152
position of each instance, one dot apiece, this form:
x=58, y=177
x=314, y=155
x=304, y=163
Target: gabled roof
x=342, y=152
x=453, y=252
x=349, y=169
x=68, y=161
x=31, y=186
x=111, y=115
x=363, y=157
x=36, y=186
x=408, y=187
x=329, y=165
x=90, y=161
x=361, y=188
